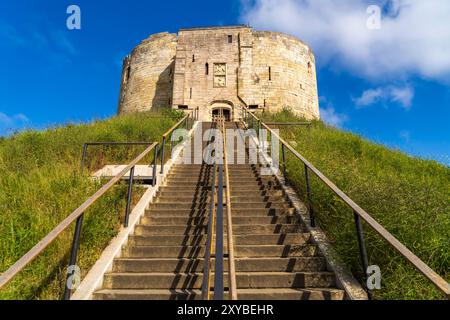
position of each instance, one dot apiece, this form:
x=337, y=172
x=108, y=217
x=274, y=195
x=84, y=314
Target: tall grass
x=41, y=183
x=408, y=196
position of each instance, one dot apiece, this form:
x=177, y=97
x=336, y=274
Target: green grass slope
x=41, y=183
x=408, y=196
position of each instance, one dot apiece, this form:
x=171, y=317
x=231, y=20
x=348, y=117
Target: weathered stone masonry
x=220, y=68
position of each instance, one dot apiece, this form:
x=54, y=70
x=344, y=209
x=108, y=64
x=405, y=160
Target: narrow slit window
x=230, y=38
x=193, y=58
x=206, y=68
x=270, y=73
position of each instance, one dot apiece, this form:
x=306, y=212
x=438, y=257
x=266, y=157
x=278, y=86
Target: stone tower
x=220, y=68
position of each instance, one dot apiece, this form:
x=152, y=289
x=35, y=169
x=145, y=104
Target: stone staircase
x=274, y=255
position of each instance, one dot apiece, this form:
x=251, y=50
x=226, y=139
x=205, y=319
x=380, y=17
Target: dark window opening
x=253, y=106
x=270, y=74
x=230, y=38
x=206, y=68
x=264, y=103
x=128, y=73
x=309, y=67
x=182, y=106
x=193, y=58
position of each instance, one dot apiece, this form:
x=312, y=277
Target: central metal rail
x=251, y=120
x=216, y=218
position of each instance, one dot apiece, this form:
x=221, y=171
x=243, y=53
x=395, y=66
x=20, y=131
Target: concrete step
x=170, y=230
x=149, y=220
x=243, y=294
x=184, y=194
x=241, y=251
x=291, y=294
x=152, y=294
x=300, y=264
x=178, y=206
x=246, y=239
x=205, y=196
x=235, y=212
x=183, y=179
x=279, y=251
x=195, y=199
x=257, y=198
x=239, y=205
x=236, y=189
x=243, y=280
x=193, y=190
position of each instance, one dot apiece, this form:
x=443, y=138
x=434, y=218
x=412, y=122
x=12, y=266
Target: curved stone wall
x=147, y=75
x=278, y=71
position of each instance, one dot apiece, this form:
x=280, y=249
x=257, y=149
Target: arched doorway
x=220, y=112
x=222, y=108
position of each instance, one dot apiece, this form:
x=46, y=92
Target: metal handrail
x=230, y=240
x=218, y=254
x=12, y=271
x=108, y=143
x=422, y=267
x=206, y=285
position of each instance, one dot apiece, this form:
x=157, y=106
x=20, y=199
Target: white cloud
x=329, y=115
x=12, y=123
x=401, y=95
x=414, y=38
x=405, y=135
x=404, y=96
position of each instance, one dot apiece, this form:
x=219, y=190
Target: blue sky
x=390, y=85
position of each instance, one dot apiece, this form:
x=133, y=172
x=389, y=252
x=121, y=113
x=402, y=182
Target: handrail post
x=308, y=194
x=83, y=156
x=283, y=159
x=171, y=145
x=162, y=154
x=362, y=247
x=155, y=162
x=73, y=256
x=129, y=197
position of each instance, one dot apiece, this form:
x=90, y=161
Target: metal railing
x=230, y=241
x=75, y=215
x=216, y=218
x=78, y=214
x=206, y=285
x=358, y=212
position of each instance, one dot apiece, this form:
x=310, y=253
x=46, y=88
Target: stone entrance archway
x=222, y=108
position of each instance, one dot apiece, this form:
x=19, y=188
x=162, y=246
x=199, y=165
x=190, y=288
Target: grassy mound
x=41, y=183
x=408, y=196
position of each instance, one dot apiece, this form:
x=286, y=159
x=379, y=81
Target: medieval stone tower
x=220, y=68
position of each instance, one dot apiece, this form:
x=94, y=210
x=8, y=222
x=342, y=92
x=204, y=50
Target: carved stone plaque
x=220, y=75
